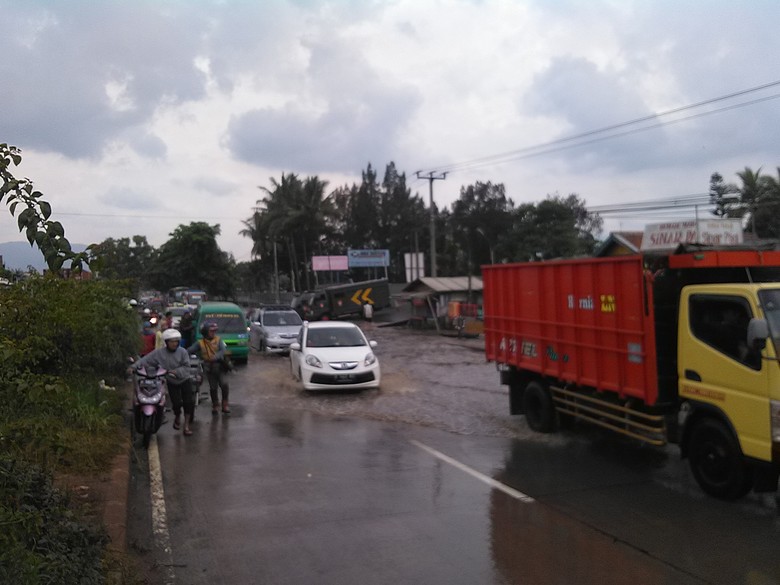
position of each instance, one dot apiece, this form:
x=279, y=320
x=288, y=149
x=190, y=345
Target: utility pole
x=431, y=178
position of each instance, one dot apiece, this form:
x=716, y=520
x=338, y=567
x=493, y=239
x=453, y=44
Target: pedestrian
x=187, y=328
x=159, y=330
x=368, y=312
x=216, y=364
x=168, y=320
x=176, y=361
x=148, y=338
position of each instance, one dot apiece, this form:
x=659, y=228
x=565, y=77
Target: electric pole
x=431, y=178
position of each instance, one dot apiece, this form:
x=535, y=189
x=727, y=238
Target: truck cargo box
x=588, y=322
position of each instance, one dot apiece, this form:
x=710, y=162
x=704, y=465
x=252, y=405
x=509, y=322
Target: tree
x=725, y=197
x=120, y=259
x=192, y=257
x=557, y=227
x=34, y=219
x=479, y=216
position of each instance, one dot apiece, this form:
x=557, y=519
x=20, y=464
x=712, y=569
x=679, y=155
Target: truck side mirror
x=757, y=333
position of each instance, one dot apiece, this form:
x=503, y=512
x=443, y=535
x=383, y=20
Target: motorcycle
x=196, y=375
x=149, y=387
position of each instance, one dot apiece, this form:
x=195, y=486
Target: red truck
x=681, y=348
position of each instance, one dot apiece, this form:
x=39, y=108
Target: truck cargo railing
x=648, y=428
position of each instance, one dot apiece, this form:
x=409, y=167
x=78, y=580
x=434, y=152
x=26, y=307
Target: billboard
x=368, y=258
x=329, y=263
x=712, y=232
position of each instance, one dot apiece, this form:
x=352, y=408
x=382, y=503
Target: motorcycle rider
x=176, y=361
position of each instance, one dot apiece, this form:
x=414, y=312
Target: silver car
x=273, y=329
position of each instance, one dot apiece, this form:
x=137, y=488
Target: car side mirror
x=295, y=346
x=757, y=333
x=372, y=344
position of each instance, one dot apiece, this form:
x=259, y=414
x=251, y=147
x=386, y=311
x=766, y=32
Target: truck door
x=716, y=366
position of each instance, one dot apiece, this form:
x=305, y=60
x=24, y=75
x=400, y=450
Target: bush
x=65, y=327
x=41, y=540
x=57, y=340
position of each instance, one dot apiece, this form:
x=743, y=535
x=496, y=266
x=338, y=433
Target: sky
x=136, y=116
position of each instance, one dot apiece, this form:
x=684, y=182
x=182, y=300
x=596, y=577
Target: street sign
x=362, y=295
x=368, y=258
x=319, y=263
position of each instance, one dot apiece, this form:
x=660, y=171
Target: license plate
x=344, y=378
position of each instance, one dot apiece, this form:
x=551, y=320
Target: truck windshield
x=770, y=303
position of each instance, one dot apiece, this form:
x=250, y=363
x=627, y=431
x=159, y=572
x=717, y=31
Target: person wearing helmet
x=176, y=361
x=213, y=351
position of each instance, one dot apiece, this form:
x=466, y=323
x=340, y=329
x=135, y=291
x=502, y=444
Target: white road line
x=159, y=517
x=474, y=473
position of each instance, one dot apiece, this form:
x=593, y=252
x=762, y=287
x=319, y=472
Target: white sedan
x=333, y=355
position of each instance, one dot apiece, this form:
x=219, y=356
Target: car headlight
x=370, y=359
x=312, y=361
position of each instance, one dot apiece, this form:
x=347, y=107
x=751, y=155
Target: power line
x=561, y=143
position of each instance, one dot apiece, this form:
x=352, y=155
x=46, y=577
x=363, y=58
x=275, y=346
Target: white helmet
x=170, y=334
x=147, y=312
x=133, y=302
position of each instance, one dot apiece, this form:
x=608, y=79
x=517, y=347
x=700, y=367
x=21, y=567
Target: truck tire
x=539, y=409
x=717, y=462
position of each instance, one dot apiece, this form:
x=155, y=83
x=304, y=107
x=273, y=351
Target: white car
x=334, y=355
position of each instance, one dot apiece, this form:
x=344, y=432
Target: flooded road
x=429, y=480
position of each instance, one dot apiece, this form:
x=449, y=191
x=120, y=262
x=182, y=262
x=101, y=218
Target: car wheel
x=539, y=409
x=717, y=462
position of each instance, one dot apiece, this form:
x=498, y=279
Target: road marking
x=474, y=473
x=159, y=517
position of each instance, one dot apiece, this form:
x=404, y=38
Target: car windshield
x=335, y=337
x=281, y=319
x=227, y=323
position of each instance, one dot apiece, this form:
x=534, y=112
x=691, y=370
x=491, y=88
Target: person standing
x=176, y=361
x=213, y=352
x=368, y=312
x=187, y=328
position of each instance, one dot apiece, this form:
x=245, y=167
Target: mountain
x=20, y=255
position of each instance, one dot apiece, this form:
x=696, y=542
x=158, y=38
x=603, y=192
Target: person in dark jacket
x=176, y=361
x=187, y=328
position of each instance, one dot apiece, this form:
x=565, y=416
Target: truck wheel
x=539, y=409
x=717, y=462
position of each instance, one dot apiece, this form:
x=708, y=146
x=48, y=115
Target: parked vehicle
x=149, y=389
x=342, y=300
x=685, y=353
x=332, y=356
x=176, y=312
x=273, y=328
x=231, y=323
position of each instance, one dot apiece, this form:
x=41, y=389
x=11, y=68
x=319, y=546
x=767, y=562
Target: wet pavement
x=394, y=486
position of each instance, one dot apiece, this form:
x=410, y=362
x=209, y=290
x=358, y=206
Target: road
x=427, y=480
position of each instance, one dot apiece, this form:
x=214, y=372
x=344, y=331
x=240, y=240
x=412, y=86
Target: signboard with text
x=713, y=232
x=320, y=263
x=368, y=258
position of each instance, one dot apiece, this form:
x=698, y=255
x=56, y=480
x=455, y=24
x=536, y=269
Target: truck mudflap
x=620, y=418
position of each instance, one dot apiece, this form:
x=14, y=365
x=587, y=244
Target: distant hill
x=20, y=255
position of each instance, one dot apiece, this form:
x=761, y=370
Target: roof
x=618, y=243
x=444, y=284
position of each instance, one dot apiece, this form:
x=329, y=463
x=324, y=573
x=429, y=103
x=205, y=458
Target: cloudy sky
x=136, y=116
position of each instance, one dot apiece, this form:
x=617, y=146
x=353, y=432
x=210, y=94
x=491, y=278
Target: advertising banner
x=368, y=258
x=712, y=232
x=322, y=263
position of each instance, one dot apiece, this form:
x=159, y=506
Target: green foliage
x=119, y=259
x=34, y=219
x=41, y=541
x=61, y=327
x=192, y=256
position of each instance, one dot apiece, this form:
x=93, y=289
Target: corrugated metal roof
x=444, y=284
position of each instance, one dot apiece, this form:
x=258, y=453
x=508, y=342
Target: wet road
x=429, y=480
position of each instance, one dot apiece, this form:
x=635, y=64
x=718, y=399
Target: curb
x=115, y=508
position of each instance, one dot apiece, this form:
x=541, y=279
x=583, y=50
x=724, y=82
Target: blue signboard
x=368, y=258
